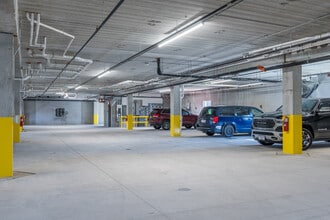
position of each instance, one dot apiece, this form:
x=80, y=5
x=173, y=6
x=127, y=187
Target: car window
x=240, y=111
x=227, y=111
x=325, y=106
x=208, y=111
x=184, y=112
x=308, y=105
x=167, y=111
x=256, y=112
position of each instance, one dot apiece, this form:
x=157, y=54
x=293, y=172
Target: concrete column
x=292, y=107
x=17, y=108
x=6, y=105
x=175, y=120
x=130, y=112
x=98, y=115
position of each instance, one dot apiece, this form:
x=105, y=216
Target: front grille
x=263, y=123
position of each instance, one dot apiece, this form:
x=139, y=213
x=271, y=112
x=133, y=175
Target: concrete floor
x=88, y=172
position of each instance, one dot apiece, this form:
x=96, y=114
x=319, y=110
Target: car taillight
x=156, y=115
x=215, y=119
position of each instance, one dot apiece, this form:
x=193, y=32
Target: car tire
x=166, y=125
x=210, y=133
x=188, y=126
x=157, y=126
x=307, y=138
x=228, y=131
x=266, y=143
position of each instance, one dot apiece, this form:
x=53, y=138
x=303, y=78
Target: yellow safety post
x=96, y=119
x=6, y=146
x=292, y=134
x=175, y=126
x=129, y=122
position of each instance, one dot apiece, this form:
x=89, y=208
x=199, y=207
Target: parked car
x=267, y=128
x=226, y=120
x=160, y=118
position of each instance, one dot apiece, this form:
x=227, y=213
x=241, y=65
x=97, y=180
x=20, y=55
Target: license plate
x=261, y=138
x=203, y=120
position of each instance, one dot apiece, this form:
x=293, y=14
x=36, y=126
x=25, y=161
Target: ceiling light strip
x=181, y=35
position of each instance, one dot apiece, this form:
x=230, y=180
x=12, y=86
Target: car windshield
x=308, y=105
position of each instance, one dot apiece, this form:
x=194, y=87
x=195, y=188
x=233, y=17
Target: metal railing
x=136, y=121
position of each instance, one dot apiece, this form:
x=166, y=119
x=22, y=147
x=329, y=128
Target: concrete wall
x=267, y=99
x=43, y=112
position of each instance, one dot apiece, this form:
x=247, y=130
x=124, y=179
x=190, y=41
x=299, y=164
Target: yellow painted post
x=96, y=119
x=129, y=122
x=175, y=126
x=292, y=139
x=6, y=146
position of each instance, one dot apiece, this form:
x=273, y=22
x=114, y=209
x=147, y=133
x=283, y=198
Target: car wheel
x=266, y=143
x=307, y=138
x=210, y=133
x=157, y=126
x=228, y=131
x=188, y=126
x=166, y=125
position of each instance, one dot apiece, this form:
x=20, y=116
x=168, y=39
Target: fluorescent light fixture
x=251, y=84
x=79, y=87
x=220, y=81
x=100, y=76
x=181, y=34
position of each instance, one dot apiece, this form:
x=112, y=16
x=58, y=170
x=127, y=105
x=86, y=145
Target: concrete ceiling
x=74, y=45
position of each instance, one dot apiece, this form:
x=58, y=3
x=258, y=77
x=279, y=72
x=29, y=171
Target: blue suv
x=226, y=120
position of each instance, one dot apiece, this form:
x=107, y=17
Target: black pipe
x=206, y=17
x=90, y=38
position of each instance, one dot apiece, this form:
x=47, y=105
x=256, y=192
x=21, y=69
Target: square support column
x=175, y=118
x=292, y=110
x=130, y=112
x=6, y=104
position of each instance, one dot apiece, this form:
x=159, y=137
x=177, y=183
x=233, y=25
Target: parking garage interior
x=79, y=79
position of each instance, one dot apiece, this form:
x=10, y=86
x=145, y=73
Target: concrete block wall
x=43, y=112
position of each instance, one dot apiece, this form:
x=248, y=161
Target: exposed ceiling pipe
x=260, y=54
x=278, y=66
x=18, y=32
x=90, y=38
x=32, y=21
x=217, y=11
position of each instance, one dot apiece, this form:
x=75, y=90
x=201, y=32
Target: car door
x=323, y=120
x=243, y=119
x=187, y=118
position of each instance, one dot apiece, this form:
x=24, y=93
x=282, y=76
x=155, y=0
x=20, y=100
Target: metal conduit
x=202, y=19
x=90, y=38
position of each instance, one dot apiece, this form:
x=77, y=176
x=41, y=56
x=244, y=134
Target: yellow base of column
x=292, y=139
x=6, y=147
x=129, y=122
x=17, y=135
x=96, y=119
x=175, y=126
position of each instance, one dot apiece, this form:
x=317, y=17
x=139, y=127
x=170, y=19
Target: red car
x=160, y=118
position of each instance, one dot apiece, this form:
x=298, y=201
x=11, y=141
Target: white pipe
x=37, y=30
x=290, y=43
